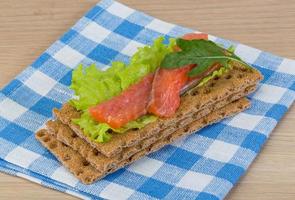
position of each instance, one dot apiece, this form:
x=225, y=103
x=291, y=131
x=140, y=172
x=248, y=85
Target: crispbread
x=88, y=174
x=69, y=158
x=102, y=163
x=237, y=79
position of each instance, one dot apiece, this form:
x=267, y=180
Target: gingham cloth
x=202, y=166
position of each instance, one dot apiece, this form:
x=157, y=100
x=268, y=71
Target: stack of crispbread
x=88, y=160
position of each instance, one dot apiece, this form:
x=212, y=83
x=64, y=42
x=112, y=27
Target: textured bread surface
x=87, y=173
x=220, y=88
x=101, y=162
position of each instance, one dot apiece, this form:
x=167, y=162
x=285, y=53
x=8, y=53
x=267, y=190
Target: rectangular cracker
x=237, y=79
x=130, y=138
x=102, y=163
x=70, y=158
x=87, y=174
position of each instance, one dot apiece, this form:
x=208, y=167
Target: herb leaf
x=204, y=53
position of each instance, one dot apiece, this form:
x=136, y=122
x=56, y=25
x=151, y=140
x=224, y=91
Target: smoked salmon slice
x=158, y=94
x=128, y=106
x=165, y=97
x=195, y=36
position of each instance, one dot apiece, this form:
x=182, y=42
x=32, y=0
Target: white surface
x=194, y=181
x=131, y=48
x=221, y=151
x=269, y=93
x=115, y=191
x=120, y=10
x=285, y=66
x=95, y=32
x=64, y=176
x=247, y=53
x=69, y=57
x=145, y=166
x=160, y=26
x=10, y=109
x=21, y=157
x=40, y=83
x=245, y=121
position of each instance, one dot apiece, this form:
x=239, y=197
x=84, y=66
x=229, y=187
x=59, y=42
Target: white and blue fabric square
x=202, y=166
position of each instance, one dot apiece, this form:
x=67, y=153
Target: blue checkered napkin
x=202, y=166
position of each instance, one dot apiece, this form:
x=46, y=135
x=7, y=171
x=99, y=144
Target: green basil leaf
x=204, y=53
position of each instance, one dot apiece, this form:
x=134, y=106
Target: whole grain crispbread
x=86, y=173
x=70, y=158
x=198, y=98
x=66, y=135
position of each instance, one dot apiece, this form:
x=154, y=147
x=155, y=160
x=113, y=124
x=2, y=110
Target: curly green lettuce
x=93, y=86
x=216, y=73
x=99, y=132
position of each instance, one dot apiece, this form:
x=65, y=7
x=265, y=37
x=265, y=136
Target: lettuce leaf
x=96, y=131
x=216, y=73
x=137, y=124
x=93, y=86
x=99, y=132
